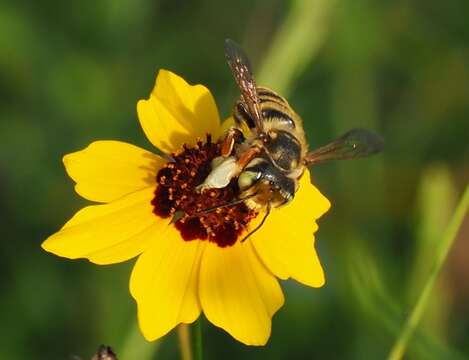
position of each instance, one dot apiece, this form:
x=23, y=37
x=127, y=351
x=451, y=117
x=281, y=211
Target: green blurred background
x=72, y=72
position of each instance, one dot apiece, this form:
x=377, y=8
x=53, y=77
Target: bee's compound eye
x=246, y=179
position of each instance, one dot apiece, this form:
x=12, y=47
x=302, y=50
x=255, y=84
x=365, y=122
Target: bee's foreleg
x=233, y=136
x=247, y=156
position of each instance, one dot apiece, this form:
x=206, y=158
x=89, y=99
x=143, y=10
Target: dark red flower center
x=176, y=196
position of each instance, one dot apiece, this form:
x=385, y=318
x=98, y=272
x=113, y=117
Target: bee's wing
x=242, y=72
x=354, y=144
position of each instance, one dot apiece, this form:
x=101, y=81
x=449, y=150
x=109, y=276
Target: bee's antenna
x=231, y=203
x=260, y=225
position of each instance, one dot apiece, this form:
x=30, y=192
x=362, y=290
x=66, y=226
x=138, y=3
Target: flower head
x=188, y=261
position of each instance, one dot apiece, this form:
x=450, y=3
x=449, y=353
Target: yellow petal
x=177, y=113
x=164, y=283
x=108, y=170
x=238, y=293
x=109, y=233
x=229, y=122
x=225, y=125
x=285, y=243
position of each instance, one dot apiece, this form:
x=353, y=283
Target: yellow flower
x=182, y=269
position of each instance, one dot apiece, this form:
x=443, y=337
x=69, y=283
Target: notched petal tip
x=110, y=233
x=288, y=251
x=310, y=198
x=177, y=113
x=107, y=170
x=241, y=302
x=164, y=284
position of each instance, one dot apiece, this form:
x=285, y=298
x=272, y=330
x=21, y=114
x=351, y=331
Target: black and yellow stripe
x=273, y=107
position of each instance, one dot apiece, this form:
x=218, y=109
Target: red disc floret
x=176, y=196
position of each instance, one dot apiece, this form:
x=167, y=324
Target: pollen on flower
x=176, y=193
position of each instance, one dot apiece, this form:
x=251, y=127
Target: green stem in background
x=196, y=339
x=136, y=347
x=441, y=254
x=295, y=43
x=184, y=341
x=190, y=341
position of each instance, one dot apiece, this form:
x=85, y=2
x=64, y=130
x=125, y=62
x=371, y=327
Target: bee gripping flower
x=193, y=262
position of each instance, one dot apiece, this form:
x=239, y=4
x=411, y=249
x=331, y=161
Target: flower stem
x=190, y=341
x=413, y=320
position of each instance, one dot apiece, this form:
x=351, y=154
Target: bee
x=269, y=161
x=104, y=353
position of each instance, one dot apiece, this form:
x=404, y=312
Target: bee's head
x=269, y=184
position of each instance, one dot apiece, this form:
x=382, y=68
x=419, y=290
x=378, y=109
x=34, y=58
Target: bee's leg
x=267, y=213
x=227, y=169
x=247, y=156
x=233, y=136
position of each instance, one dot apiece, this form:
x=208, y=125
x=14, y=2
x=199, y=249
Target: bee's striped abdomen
x=275, y=108
x=268, y=95
x=271, y=114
